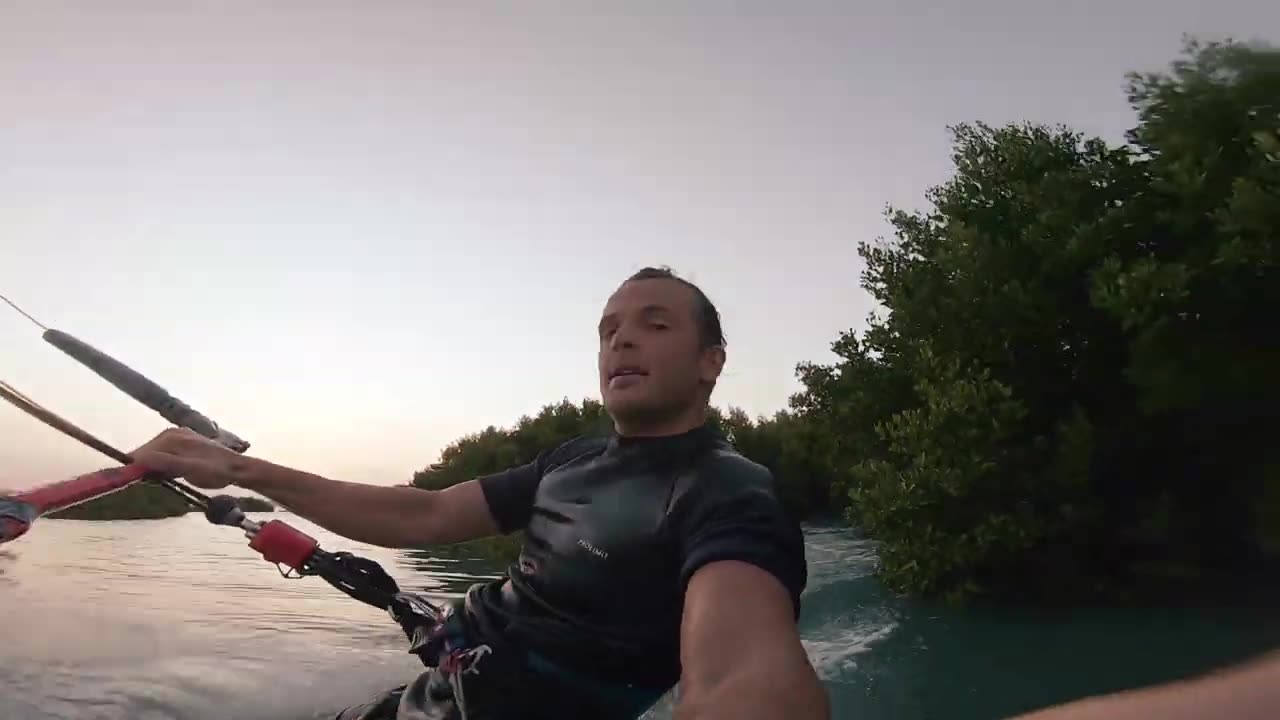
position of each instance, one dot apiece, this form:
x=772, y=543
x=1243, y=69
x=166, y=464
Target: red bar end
x=280, y=543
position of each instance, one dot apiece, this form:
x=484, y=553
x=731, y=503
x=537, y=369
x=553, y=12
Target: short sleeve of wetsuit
x=734, y=514
x=510, y=493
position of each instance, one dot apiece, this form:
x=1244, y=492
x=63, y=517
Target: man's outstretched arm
x=1248, y=692
x=394, y=517
x=398, y=517
x=740, y=650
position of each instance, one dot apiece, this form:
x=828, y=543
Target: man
x=652, y=555
x=738, y=653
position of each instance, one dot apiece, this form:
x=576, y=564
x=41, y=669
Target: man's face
x=651, y=361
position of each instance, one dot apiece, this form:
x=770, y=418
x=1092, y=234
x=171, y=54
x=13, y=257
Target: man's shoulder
x=724, y=475
x=731, y=510
x=725, y=469
x=726, y=464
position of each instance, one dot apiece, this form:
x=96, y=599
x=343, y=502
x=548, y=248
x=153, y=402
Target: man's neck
x=686, y=422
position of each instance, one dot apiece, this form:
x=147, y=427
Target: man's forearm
x=374, y=514
x=756, y=693
x=1247, y=692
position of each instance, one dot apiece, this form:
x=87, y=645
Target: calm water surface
x=179, y=619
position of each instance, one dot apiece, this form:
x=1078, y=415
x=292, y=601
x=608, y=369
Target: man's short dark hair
x=709, y=329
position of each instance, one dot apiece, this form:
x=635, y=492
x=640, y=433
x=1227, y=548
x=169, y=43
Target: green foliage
x=1072, y=346
x=943, y=500
x=1196, y=293
x=494, y=449
x=793, y=449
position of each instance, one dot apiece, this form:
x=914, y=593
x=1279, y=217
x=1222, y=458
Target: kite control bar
x=276, y=541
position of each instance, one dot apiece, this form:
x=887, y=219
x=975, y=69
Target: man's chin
x=635, y=412
x=625, y=407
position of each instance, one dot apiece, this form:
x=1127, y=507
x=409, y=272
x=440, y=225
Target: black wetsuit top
x=614, y=528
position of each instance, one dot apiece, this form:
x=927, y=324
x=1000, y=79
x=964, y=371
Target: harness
x=477, y=672
x=455, y=653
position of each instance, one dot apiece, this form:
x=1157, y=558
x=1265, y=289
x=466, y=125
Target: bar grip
x=143, y=390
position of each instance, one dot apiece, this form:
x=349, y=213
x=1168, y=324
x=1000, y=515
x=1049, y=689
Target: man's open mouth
x=625, y=371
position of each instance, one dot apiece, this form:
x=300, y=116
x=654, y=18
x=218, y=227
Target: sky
x=352, y=232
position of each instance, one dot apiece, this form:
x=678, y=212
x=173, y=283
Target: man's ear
x=712, y=363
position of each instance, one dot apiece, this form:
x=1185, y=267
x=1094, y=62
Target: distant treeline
x=1072, y=386
x=142, y=501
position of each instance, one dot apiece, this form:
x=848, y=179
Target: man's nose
x=623, y=337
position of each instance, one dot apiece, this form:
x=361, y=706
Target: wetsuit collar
x=689, y=440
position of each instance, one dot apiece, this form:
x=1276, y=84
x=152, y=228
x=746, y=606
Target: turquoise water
x=178, y=619
x=887, y=658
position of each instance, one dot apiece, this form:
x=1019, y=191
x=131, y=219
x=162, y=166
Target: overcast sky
x=351, y=232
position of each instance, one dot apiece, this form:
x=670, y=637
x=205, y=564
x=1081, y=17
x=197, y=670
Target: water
x=179, y=619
